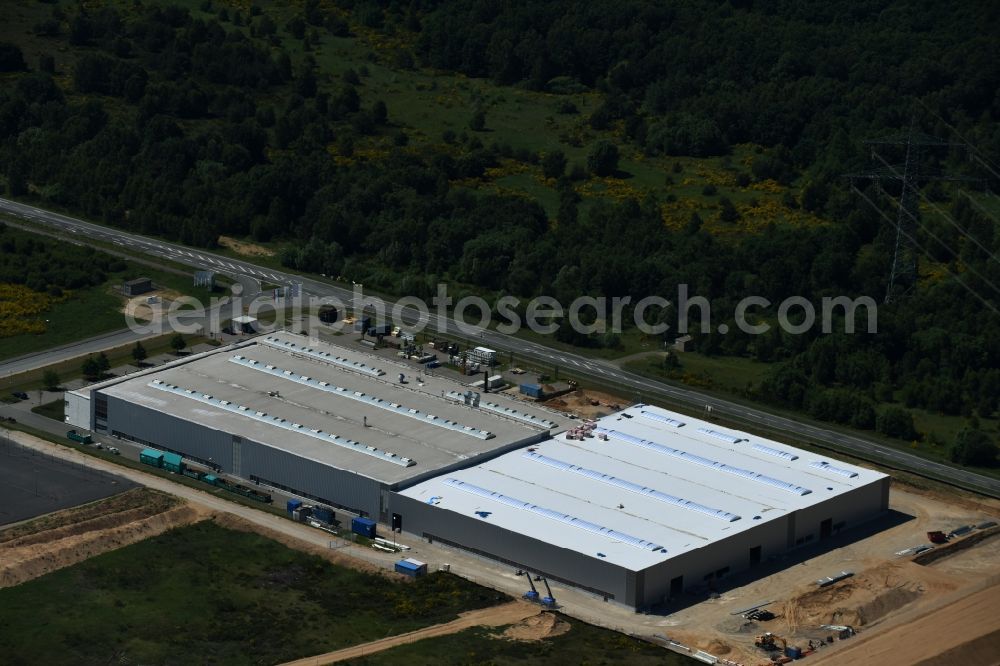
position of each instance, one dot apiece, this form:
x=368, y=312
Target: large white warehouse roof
x=646, y=485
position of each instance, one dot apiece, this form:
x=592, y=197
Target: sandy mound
x=715, y=647
x=30, y=557
x=865, y=598
x=536, y=628
x=582, y=403
x=244, y=248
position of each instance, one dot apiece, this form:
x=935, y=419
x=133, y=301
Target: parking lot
x=32, y=484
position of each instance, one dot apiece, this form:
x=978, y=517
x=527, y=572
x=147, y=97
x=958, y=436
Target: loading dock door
x=755, y=555
x=826, y=528
x=676, y=587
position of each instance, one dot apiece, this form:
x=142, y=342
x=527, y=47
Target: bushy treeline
x=696, y=76
x=162, y=135
x=51, y=266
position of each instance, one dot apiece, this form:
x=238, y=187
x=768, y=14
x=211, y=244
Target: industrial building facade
x=643, y=504
x=636, y=507
x=317, y=420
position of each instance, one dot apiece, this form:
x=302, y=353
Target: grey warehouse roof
x=642, y=486
x=313, y=399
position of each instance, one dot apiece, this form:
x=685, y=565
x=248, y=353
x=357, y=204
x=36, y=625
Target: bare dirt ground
x=537, y=628
x=141, y=309
x=511, y=613
x=963, y=629
x=581, y=403
x=33, y=549
x=884, y=587
x=244, y=248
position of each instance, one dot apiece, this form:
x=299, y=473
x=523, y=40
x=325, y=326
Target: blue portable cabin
x=363, y=526
x=411, y=567
x=532, y=390
x=292, y=505
x=151, y=457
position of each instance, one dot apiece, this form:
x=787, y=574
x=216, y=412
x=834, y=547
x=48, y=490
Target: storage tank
x=363, y=526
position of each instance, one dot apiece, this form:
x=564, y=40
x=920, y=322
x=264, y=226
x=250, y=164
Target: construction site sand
x=962, y=628
x=38, y=554
x=884, y=586
x=866, y=597
x=537, y=628
x=579, y=402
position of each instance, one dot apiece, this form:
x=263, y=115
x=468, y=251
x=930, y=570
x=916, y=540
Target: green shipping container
x=173, y=463
x=151, y=457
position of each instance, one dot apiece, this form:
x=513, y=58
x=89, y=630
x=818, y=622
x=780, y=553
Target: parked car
x=434, y=364
x=20, y=395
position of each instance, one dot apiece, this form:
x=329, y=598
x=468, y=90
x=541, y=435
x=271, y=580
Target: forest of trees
x=190, y=128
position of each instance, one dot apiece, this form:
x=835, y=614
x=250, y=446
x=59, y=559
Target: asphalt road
x=596, y=371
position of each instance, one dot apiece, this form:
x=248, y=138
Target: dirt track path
x=947, y=634
x=484, y=617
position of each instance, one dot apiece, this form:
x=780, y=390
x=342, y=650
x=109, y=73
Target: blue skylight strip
x=632, y=487
x=555, y=515
x=726, y=437
x=673, y=423
x=699, y=460
x=774, y=452
x=822, y=464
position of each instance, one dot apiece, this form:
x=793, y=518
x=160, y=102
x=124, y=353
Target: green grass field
x=583, y=644
x=204, y=594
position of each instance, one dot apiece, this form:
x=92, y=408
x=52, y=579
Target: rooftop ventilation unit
x=360, y=396
x=326, y=357
x=472, y=399
x=282, y=423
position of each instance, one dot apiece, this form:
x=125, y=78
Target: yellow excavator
x=770, y=642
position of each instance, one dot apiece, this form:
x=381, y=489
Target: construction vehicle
x=548, y=599
x=532, y=594
x=768, y=641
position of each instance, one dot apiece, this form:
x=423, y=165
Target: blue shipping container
x=293, y=504
x=411, y=567
x=323, y=513
x=364, y=527
x=531, y=390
